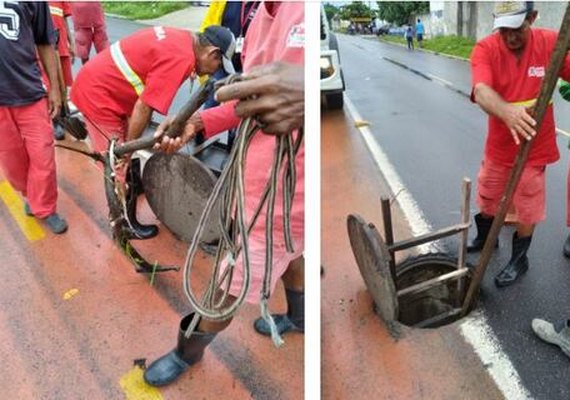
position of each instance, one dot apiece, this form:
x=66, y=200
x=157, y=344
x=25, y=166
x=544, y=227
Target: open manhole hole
x=432, y=307
x=437, y=305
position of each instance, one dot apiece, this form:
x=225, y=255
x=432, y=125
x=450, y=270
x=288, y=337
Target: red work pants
x=27, y=155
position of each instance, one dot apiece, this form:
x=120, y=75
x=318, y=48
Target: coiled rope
x=234, y=229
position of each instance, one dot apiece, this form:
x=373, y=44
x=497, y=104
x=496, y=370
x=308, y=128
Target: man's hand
x=172, y=145
x=517, y=118
x=520, y=123
x=54, y=101
x=274, y=94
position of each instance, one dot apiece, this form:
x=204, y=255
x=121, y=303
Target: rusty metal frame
x=461, y=228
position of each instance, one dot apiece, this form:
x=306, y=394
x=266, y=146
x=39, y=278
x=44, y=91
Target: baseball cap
x=224, y=39
x=511, y=14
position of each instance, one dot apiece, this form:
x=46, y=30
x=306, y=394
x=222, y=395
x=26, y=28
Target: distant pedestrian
x=420, y=31
x=409, y=35
x=90, y=28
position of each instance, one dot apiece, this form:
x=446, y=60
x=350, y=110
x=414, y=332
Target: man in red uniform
x=508, y=68
x=27, y=154
x=60, y=12
x=89, y=27
x=273, y=58
x=118, y=90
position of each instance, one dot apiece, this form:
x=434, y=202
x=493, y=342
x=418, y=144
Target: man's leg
x=36, y=134
x=529, y=202
x=13, y=155
x=188, y=350
x=558, y=333
x=100, y=39
x=83, y=43
x=487, y=183
x=294, y=320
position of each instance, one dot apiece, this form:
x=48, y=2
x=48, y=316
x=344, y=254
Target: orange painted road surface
x=360, y=359
x=74, y=315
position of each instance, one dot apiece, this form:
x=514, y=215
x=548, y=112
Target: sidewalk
x=189, y=18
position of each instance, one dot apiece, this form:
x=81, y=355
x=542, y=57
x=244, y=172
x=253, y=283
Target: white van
x=332, y=81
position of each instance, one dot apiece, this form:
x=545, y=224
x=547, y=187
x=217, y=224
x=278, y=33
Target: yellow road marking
x=28, y=225
x=70, y=293
x=136, y=388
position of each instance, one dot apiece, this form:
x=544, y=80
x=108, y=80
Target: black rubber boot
x=293, y=321
x=188, y=352
x=518, y=264
x=58, y=132
x=566, y=248
x=136, y=230
x=483, y=227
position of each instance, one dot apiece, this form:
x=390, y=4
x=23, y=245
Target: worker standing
x=60, y=13
x=508, y=68
x=118, y=90
x=27, y=154
x=89, y=26
x=273, y=93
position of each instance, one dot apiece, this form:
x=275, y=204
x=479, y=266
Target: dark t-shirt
x=22, y=26
x=236, y=17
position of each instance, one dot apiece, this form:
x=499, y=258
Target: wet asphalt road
x=434, y=136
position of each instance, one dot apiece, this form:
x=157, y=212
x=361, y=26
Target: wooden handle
x=176, y=127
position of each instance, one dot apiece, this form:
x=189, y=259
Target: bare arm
x=48, y=58
x=517, y=118
x=70, y=40
x=273, y=93
x=139, y=120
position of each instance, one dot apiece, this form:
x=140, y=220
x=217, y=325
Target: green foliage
x=400, y=12
x=450, y=45
x=143, y=9
x=356, y=9
x=330, y=10
x=454, y=45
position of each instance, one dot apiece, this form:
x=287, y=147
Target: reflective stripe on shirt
x=121, y=63
x=528, y=103
x=56, y=11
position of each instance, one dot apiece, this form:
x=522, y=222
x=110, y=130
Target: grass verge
x=451, y=45
x=143, y=9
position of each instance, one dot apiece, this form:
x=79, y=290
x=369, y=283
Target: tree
x=399, y=13
x=330, y=11
x=356, y=9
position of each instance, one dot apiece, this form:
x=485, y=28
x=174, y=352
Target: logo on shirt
x=159, y=32
x=537, y=72
x=296, y=37
x=9, y=21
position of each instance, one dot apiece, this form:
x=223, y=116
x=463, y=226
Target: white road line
x=479, y=334
x=474, y=328
x=562, y=132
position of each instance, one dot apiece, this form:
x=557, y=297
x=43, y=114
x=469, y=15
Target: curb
x=427, y=51
x=118, y=16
